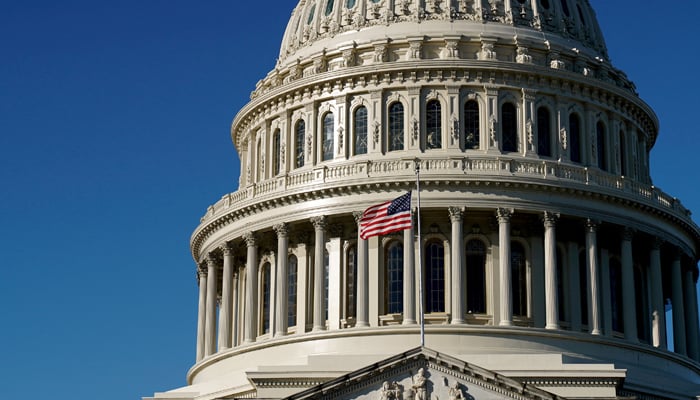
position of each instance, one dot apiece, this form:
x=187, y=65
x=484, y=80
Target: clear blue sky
x=114, y=138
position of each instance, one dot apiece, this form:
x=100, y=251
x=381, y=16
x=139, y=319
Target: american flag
x=387, y=217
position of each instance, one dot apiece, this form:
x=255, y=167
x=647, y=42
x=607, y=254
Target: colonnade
x=235, y=298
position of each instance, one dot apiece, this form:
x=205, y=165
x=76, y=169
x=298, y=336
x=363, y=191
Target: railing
x=496, y=168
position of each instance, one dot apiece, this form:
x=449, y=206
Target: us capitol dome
x=547, y=257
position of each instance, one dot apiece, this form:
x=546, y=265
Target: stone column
x=201, y=310
x=629, y=310
x=677, y=302
x=658, y=312
x=505, y=289
x=282, y=279
x=226, y=299
x=691, y=325
x=319, y=224
x=251, y=290
x=234, y=310
x=550, y=270
x=592, y=264
x=458, y=286
x=409, y=277
x=362, y=296
x=210, y=325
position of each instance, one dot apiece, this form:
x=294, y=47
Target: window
x=565, y=7
x=435, y=277
x=265, y=301
x=616, y=295
x=575, y=137
x=360, y=130
x=476, y=277
x=544, y=133
x=509, y=128
x=433, y=116
x=471, y=125
x=393, y=278
x=311, y=15
x=292, y=291
x=276, y=152
x=351, y=284
x=329, y=8
x=519, y=279
x=623, y=154
x=350, y=4
x=396, y=126
x=300, y=130
x=327, y=137
x=602, y=151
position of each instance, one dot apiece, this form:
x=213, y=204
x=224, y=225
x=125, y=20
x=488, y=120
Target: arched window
x=299, y=149
x=602, y=150
x=471, y=125
x=518, y=279
x=351, y=283
x=623, y=154
x=476, y=277
x=292, y=290
x=329, y=7
x=616, y=295
x=311, y=15
x=276, y=152
x=575, y=137
x=393, y=278
x=509, y=128
x=327, y=137
x=435, y=277
x=396, y=126
x=265, y=300
x=433, y=118
x=350, y=4
x=360, y=130
x=544, y=132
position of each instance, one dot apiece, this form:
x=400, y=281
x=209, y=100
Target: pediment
x=423, y=374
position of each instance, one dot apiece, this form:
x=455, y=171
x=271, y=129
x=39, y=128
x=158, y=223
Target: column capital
x=358, y=216
x=250, y=238
x=456, y=213
x=211, y=260
x=628, y=234
x=202, y=271
x=592, y=225
x=227, y=249
x=503, y=214
x=319, y=222
x=550, y=219
x=282, y=229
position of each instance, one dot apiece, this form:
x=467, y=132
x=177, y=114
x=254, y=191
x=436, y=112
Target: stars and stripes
x=386, y=217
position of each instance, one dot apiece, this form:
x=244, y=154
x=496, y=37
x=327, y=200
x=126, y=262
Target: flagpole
x=420, y=259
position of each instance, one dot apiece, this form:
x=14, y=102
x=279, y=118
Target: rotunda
x=542, y=259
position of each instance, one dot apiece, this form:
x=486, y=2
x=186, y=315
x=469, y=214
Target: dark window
x=545, y=4
x=433, y=114
x=519, y=279
x=394, y=279
x=301, y=131
x=471, y=125
x=544, y=133
x=265, y=290
x=602, y=151
x=292, y=291
x=435, y=274
x=575, y=137
x=583, y=286
x=396, y=126
x=311, y=14
x=641, y=304
x=351, y=284
x=329, y=7
x=623, y=154
x=616, y=295
x=350, y=4
x=328, y=136
x=580, y=14
x=476, y=277
x=509, y=128
x=565, y=7
x=360, y=129
x=276, y=152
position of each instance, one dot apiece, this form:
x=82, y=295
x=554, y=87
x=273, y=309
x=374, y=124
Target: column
x=629, y=310
x=458, y=286
x=550, y=270
x=234, y=310
x=226, y=299
x=201, y=310
x=677, y=303
x=251, y=290
x=409, y=277
x=319, y=321
x=503, y=215
x=362, y=319
x=282, y=279
x=658, y=312
x=210, y=324
x=592, y=263
x=691, y=325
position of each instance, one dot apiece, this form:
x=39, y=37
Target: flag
x=387, y=217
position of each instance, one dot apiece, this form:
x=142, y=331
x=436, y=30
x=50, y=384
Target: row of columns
x=685, y=310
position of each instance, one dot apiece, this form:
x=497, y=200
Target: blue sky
x=114, y=138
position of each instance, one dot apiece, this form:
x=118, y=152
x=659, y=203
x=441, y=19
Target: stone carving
x=321, y=63
x=377, y=130
x=340, y=139
x=358, y=21
x=404, y=6
x=523, y=56
x=451, y=49
x=529, y=133
x=492, y=130
x=415, y=129
x=380, y=52
x=349, y=58
x=555, y=62
x=487, y=52
x=414, y=52
x=390, y=391
x=564, y=139
x=455, y=129
x=455, y=392
x=309, y=145
x=262, y=165
x=419, y=385
x=282, y=154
